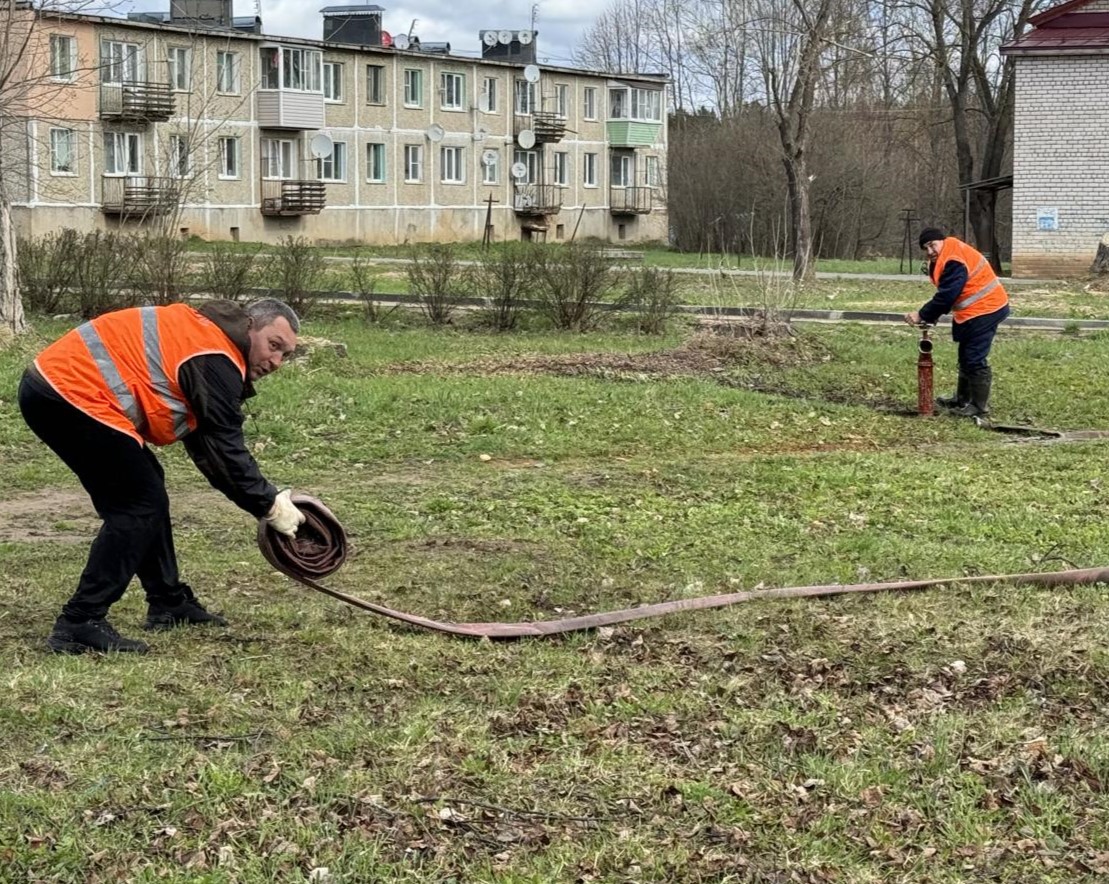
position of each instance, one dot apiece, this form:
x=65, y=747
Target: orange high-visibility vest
x=121, y=368
x=983, y=292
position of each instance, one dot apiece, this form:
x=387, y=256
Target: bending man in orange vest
x=966, y=287
x=100, y=394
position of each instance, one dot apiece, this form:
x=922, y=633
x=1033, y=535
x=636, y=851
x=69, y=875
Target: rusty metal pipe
x=925, y=402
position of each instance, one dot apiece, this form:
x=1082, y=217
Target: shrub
x=500, y=279
x=46, y=270
x=230, y=273
x=158, y=267
x=437, y=279
x=297, y=272
x=365, y=287
x=574, y=282
x=102, y=273
x=654, y=294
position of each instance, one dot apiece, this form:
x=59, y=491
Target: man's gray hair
x=266, y=310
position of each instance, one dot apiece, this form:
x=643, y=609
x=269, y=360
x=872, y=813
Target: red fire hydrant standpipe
x=925, y=404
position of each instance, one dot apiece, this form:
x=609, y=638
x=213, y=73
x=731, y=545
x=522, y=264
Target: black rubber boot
x=962, y=394
x=186, y=613
x=69, y=637
x=979, y=404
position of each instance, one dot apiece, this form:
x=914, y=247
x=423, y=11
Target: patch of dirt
x=58, y=515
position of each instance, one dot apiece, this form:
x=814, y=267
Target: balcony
x=289, y=109
x=630, y=200
x=286, y=198
x=138, y=195
x=549, y=127
x=537, y=199
x=136, y=102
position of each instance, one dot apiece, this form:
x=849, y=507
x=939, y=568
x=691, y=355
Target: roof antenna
x=534, y=15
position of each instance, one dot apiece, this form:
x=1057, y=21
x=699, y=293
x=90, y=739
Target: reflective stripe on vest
x=153, y=348
x=112, y=379
x=967, y=300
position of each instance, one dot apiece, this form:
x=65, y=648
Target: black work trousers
x=127, y=487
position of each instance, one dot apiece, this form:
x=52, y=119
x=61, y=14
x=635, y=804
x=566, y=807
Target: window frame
x=459, y=164
x=70, y=73
x=337, y=162
x=627, y=169
x=335, y=79
x=377, y=87
x=489, y=92
x=70, y=170
x=131, y=154
x=589, y=103
x=562, y=100
x=589, y=169
x=561, y=171
x=413, y=158
x=224, y=174
x=459, y=81
x=128, y=63
x=530, y=159
x=528, y=94
x=376, y=148
x=179, y=66
x=282, y=156
x=413, y=81
x=236, y=87
x=491, y=174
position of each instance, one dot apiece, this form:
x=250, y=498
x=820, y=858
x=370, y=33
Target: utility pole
x=907, y=240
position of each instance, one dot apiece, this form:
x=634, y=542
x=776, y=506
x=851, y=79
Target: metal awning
x=1001, y=182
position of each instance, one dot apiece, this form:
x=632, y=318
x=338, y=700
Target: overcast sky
x=560, y=23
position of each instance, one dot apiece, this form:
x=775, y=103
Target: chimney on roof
x=357, y=24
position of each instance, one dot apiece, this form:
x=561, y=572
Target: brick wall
x=1060, y=162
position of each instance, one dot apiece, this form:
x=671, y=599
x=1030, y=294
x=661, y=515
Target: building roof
x=361, y=9
x=1064, y=29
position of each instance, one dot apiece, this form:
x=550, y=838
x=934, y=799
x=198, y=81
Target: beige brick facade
x=217, y=156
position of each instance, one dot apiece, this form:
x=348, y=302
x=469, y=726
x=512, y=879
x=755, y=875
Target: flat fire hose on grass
x=320, y=548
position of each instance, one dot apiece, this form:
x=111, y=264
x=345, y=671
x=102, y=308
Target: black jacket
x=216, y=392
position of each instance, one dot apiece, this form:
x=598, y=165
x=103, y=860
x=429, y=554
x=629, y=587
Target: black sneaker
x=69, y=637
x=187, y=613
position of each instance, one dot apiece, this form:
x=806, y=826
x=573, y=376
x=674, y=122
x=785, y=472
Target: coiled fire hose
x=320, y=548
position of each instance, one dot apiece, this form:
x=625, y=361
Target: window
x=332, y=81
x=635, y=104
x=375, y=84
x=285, y=68
x=623, y=170
x=179, y=61
x=589, y=103
x=228, y=157
x=278, y=158
x=119, y=62
x=654, y=176
x=525, y=97
x=491, y=166
x=63, y=155
x=375, y=163
x=63, y=57
x=530, y=160
x=333, y=167
x=178, y=156
x=270, y=61
x=413, y=88
x=450, y=159
x=489, y=95
x=413, y=163
x=227, y=72
x=562, y=168
x=562, y=100
x=452, y=88
x=589, y=170
x=122, y=153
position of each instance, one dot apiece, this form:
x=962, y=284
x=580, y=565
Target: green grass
x=951, y=735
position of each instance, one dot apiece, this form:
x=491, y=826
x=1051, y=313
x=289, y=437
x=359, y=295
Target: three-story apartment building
x=199, y=121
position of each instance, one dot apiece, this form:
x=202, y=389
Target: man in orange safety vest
x=968, y=288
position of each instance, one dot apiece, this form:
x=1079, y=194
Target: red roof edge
x=1047, y=15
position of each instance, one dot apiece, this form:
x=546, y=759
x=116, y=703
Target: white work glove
x=284, y=516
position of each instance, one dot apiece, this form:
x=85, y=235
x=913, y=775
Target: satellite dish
x=489, y=38
x=480, y=133
x=504, y=37
x=519, y=171
x=435, y=132
x=525, y=37
x=531, y=73
x=489, y=157
x=400, y=41
x=483, y=104
x=526, y=139
x=321, y=146
x=386, y=38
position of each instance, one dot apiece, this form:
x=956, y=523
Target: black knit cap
x=931, y=233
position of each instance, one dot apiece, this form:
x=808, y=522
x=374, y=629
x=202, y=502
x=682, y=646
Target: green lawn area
x=952, y=735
